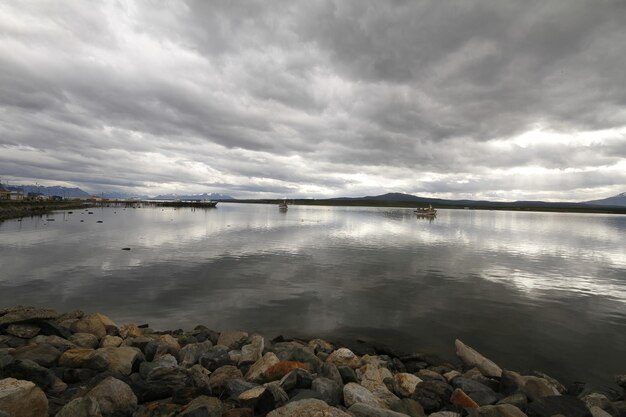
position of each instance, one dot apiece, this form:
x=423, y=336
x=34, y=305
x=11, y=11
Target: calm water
x=529, y=290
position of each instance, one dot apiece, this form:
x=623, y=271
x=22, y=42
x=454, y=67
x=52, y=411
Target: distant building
x=4, y=193
x=56, y=198
x=17, y=195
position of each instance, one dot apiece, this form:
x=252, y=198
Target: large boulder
x=308, y=408
x=21, y=398
x=354, y=393
x=89, y=324
x=115, y=359
x=23, y=330
x=344, y=357
x=328, y=390
x=114, y=397
x=253, y=351
x=28, y=370
x=258, y=369
x=232, y=339
x=472, y=358
x=20, y=314
x=75, y=358
x=204, y=406
x=366, y=410
x=80, y=407
x=85, y=340
x=190, y=354
x=43, y=354
x=502, y=410
x=220, y=377
x=558, y=404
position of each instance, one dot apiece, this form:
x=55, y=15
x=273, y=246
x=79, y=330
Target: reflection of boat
x=426, y=211
x=283, y=206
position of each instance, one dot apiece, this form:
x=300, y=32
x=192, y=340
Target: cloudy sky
x=502, y=100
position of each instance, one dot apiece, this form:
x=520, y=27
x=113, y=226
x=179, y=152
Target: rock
x=239, y=412
x=330, y=371
x=344, y=357
x=146, y=369
x=348, y=374
x=273, y=397
x=621, y=380
x=253, y=351
x=130, y=330
x=444, y=414
x=250, y=397
x=373, y=375
x=204, y=406
x=237, y=386
x=73, y=375
x=472, y=358
x=170, y=340
x=365, y=410
x=137, y=342
x=258, y=369
x=480, y=393
x=111, y=341
x=303, y=394
x=598, y=412
x=320, y=345
x=89, y=324
x=21, y=398
x=28, y=370
x=558, y=404
x=432, y=395
x=75, y=358
x=354, y=393
x=216, y=357
x=296, y=379
x=517, y=399
x=85, y=340
x=203, y=333
x=21, y=313
x=328, y=389
x=109, y=325
x=44, y=355
x=406, y=383
x=409, y=407
x=219, y=378
x=536, y=388
x=191, y=353
x=80, y=407
x=200, y=378
x=282, y=368
x=53, y=340
x=427, y=375
x=25, y=331
x=503, y=410
x=232, y=339
x=7, y=341
x=462, y=400
x=114, y=397
x=308, y=408
x=118, y=360
x=157, y=409
x=449, y=376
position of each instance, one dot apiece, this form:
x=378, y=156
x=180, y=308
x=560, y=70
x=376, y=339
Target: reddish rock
x=461, y=399
x=282, y=368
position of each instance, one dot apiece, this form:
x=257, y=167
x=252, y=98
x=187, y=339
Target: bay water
x=544, y=291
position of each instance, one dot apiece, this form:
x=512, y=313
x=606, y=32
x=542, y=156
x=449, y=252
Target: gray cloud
x=468, y=98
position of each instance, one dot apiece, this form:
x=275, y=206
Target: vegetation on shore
x=19, y=209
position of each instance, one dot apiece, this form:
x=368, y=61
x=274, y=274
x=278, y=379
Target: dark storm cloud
x=319, y=98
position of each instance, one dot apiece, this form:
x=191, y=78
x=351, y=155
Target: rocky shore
x=85, y=365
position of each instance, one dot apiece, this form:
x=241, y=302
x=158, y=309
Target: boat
x=425, y=211
x=283, y=206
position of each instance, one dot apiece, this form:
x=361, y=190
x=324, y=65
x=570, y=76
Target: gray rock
x=80, y=407
x=503, y=410
x=44, y=355
x=354, y=393
x=303, y=394
x=157, y=348
x=409, y=407
x=114, y=397
x=85, y=340
x=478, y=392
x=22, y=313
x=308, y=408
x=253, y=351
x=347, y=374
x=53, y=340
x=365, y=410
x=190, y=354
x=330, y=371
x=120, y=360
x=220, y=377
x=21, y=398
x=232, y=339
x=73, y=375
x=31, y=371
x=517, y=399
x=432, y=395
x=298, y=378
x=235, y=387
x=204, y=406
x=25, y=331
x=215, y=357
x=328, y=389
x=146, y=369
x=272, y=397
x=558, y=404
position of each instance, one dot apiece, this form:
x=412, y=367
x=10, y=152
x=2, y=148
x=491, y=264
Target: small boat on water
x=425, y=211
x=283, y=206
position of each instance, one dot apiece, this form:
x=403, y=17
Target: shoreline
x=20, y=209
x=78, y=364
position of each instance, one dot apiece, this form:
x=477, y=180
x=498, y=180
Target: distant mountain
x=204, y=196
x=616, y=200
x=123, y=196
x=50, y=191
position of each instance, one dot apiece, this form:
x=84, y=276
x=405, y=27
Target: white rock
x=472, y=358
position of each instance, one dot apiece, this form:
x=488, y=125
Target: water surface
x=530, y=290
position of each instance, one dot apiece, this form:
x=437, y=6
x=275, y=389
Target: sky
x=499, y=100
